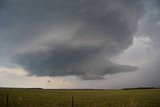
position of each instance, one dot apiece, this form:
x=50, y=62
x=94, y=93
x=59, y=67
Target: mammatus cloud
x=70, y=37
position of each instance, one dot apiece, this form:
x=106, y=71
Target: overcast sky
x=79, y=43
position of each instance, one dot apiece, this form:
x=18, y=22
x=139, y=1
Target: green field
x=81, y=98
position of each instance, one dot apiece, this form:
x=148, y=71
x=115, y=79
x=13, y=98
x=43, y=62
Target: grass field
x=81, y=98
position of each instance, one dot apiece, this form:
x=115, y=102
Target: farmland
x=81, y=98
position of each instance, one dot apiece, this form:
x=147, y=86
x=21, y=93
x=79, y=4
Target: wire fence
x=7, y=102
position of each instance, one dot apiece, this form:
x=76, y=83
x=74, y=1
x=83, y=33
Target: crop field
x=79, y=98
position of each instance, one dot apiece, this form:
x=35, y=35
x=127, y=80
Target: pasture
x=81, y=98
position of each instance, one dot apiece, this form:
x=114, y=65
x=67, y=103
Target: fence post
x=72, y=102
x=7, y=100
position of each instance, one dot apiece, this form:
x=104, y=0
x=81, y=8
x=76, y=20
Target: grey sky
x=78, y=37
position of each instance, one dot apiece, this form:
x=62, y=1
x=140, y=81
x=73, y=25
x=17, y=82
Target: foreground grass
x=82, y=98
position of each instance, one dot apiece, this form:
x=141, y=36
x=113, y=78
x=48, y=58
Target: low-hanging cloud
x=71, y=37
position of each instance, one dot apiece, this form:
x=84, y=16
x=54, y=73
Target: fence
x=8, y=103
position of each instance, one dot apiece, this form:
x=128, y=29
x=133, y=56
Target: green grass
x=82, y=98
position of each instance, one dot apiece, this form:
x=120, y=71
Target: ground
x=81, y=98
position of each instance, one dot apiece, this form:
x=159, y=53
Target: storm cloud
x=69, y=37
x=150, y=24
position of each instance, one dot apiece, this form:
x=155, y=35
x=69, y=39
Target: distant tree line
x=141, y=88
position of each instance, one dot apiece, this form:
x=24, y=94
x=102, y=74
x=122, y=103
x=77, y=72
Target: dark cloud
x=150, y=24
x=90, y=33
x=150, y=27
x=85, y=62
